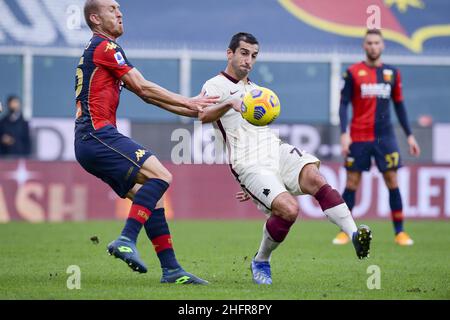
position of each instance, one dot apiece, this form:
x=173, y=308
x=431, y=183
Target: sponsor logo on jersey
x=110, y=46
x=362, y=73
x=266, y=192
x=377, y=90
x=139, y=154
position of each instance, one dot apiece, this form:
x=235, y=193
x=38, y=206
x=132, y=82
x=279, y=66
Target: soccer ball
x=260, y=106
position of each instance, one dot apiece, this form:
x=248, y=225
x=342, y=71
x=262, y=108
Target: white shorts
x=264, y=184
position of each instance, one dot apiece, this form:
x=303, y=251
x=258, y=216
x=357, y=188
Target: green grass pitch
x=34, y=259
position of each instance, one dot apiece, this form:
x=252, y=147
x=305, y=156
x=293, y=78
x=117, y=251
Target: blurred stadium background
x=305, y=47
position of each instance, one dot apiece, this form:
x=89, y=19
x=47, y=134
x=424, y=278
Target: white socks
x=266, y=247
x=341, y=216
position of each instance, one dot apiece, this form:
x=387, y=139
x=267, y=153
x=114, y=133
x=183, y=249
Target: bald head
x=90, y=7
x=104, y=16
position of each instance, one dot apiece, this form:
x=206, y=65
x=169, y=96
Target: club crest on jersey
x=119, y=58
x=387, y=75
x=349, y=162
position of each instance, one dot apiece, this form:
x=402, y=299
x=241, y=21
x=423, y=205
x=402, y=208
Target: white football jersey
x=248, y=146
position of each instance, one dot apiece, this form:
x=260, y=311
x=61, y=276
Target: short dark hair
x=241, y=36
x=11, y=98
x=90, y=7
x=374, y=31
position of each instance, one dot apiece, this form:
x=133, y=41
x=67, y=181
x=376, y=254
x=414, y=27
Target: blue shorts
x=385, y=151
x=111, y=156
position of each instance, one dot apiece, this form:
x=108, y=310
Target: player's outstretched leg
x=144, y=201
x=337, y=212
x=335, y=208
x=284, y=213
x=352, y=183
x=349, y=198
x=158, y=232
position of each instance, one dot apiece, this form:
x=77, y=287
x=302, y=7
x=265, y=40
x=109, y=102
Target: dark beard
x=371, y=58
x=241, y=74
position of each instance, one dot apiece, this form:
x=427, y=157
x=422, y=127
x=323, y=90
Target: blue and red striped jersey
x=98, y=84
x=370, y=89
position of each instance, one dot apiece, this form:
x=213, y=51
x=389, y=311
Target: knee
x=391, y=184
x=352, y=182
x=311, y=180
x=289, y=210
x=317, y=181
x=391, y=180
x=292, y=211
x=166, y=176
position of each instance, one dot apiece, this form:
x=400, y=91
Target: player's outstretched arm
x=147, y=90
x=214, y=112
x=174, y=109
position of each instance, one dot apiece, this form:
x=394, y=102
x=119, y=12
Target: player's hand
x=242, y=196
x=8, y=140
x=236, y=105
x=201, y=101
x=346, y=141
x=414, y=148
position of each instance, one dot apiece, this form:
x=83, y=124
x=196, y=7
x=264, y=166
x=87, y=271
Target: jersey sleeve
x=397, y=93
x=211, y=89
x=111, y=56
x=346, y=97
x=347, y=87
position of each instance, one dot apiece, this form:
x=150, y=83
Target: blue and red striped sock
x=395, y=202
x=158, y=232
x=144, y=202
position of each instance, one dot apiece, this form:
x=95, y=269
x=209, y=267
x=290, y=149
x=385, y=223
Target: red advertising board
x=62, y=191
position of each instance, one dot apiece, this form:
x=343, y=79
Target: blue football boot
x=361, y=241
x=261, y=272
x=125, y=249
x=179, y=276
